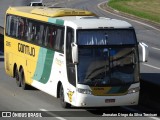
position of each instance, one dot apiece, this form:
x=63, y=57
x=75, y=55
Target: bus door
x=69, y=64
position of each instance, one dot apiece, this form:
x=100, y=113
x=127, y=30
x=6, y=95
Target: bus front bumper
x=83, y=100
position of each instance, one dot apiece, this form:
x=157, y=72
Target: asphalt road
x=13, y=98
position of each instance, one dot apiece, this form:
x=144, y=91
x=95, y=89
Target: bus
x=74, y=55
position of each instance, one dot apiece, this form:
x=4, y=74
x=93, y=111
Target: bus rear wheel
x=18, y=82
x=61, y=96
x=22, y=79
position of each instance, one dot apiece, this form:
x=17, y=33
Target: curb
x=152, y=24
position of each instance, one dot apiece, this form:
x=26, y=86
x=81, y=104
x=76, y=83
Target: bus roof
x=81, y=19
x=52, y=12
x=91, y=22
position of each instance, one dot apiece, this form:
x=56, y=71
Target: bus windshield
x=107, y=57
x=107, y=66
x=106, y=37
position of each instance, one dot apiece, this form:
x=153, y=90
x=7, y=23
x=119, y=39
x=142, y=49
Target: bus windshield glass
x=107, y=66
x=106, y=37
x=101, y=64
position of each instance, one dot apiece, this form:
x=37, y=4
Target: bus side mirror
x=145, y=52
x=74, y=53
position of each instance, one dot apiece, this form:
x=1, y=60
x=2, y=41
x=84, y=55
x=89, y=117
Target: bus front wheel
x=61, y=95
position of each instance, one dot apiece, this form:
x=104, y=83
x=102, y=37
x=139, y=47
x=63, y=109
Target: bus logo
x=70, y=94
x=26, y=49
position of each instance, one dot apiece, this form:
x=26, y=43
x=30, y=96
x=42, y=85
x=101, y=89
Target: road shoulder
x=105, y=7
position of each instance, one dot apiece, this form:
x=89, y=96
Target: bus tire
x=18, y=82
x=61, y=96
x=22, y=80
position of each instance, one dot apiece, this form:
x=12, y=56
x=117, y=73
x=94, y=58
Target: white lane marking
x=56, y=4
x=127, y=18
x=155, y=118
x=61, y=3
x=52, y=114
x=155, y=48
x=151, y=66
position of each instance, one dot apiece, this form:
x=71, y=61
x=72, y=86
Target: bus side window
x=17, y=27
x=62, y=40
x=46, y=34
x=14, y=26
x=69, y=40
x=70, y=66
x=59, y=41
x=21, y=28
x=36, y=38
x=51, y=35
x=41, y=34
x=29, y=31
x=26, y=29
x=34, y=32
x=8, y=24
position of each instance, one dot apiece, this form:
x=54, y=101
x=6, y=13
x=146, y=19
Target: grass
x=147, y=9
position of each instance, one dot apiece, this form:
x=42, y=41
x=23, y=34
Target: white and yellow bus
x=74, y=55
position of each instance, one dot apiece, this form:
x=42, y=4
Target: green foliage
x=147, y=9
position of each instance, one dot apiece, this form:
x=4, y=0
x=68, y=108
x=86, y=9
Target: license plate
x=109, y=100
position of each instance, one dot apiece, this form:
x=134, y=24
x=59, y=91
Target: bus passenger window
x=21, y=28
x=8, y=25
x=59, y=40
x=16, y=27
x=46, y=37
x=29, y=31
x=51, y=37
x=12, y=27
x=36, y=37
x=69, y=40
x=26, y=29
x=61, y=46
x=34, y=31
x=41, y=34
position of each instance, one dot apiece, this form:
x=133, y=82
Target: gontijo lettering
x=26, y=49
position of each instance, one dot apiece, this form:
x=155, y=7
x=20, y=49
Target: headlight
x=84, y=91
x=133, y=90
